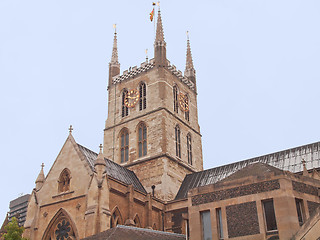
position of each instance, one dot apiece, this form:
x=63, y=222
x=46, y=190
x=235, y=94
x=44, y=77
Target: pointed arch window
x=186, y=113
x=189, y=149
x=175, y=99
x=124, y=143
x=64, y=181
x=177, y=140
x=137, y=221
x=125, y=110
x=143, y=96
x=116, y=218
x=142, y=143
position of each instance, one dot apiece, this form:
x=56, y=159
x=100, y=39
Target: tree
x=14, y=232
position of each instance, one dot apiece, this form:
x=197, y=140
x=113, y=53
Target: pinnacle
x=40, y=177
x=189, y=61
x=100, y=159
x=114, y=57
x=159, y=33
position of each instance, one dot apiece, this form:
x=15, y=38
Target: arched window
x=116, y=218
x=186, y=113
x=175, y=99
x=142, y=143
x=143, y=96
x=64, y=181
x=177, y=140
x=124, y=143
x=137, y=221
x=189, y=149
x=125, y=111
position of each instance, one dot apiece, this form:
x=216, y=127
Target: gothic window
x=124, y=143
x=137, y=221
x=142, y=143
x=64, y=181
x=219, y=223
x=143, y=96
x=189, y=149
x=125, y=110
x=299, y=206
x=186, y=114
x=177, y=140
x=175, y=99
x=115, y=218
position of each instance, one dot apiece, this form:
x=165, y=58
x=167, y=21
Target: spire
x=189, y=61
x=114, y=57
x=40, y=178
x=159, y=33
x=114, y=65
x=189, y=72
x=160, y=45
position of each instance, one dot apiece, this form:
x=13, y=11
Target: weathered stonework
x=312, y=206
x=235, y=192
x=242, y=219
x=305, y=188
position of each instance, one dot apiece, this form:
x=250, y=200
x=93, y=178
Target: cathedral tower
x=152, y=126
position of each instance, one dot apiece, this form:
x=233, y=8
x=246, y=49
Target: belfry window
x=175, y=99
x=124, y=143
x=177, y=140
x=143, y=96
x=125, y=111
x=64, y=181
x=142, y=144
x=189, y=149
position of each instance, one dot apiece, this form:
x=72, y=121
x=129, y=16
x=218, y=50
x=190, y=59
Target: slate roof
x=132, y=233
x=288, y=160
x=114, y=170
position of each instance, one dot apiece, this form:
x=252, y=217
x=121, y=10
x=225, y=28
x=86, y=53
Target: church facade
x=149, y=171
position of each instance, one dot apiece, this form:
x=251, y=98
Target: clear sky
x=257, y=64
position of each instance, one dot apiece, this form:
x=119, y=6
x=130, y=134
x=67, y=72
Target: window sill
x=62, y=194
x=272, y=232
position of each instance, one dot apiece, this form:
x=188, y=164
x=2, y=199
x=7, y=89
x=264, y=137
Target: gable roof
x=288, y=160
x=113, y=169
x=133, y=233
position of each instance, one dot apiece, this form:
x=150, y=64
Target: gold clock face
x=183, y=102
x=132, y=97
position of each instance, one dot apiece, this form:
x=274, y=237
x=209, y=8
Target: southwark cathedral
x=148, y=176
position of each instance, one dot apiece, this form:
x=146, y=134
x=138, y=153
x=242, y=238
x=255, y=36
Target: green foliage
x=14, y=232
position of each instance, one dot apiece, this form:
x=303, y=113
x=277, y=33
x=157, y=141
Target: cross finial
x=100, y=146
x=303, y=161
x=187, y=35
x=70, y=129
x=115, y=28
x=42, y=165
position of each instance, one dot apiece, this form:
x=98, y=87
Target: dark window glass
x=175, y=99
x=143, y=96
x=219, y=223
x=124, y=146
x=189, y=149
x=125, y=111
x=299, y=205
x=269, y=214
x=142, y=140
x=206, y=225
x=177, y=140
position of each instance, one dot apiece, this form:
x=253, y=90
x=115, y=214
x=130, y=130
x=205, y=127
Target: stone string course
x=235, y=192
x=304, y=188
x=242, y=219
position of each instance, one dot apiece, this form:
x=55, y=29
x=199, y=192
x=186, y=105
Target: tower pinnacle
x=159, y=44
x=40, y=178
x=189, y=72
x=114, y=65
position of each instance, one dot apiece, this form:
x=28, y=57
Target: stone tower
x=152, y=126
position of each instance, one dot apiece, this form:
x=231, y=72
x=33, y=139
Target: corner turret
x=114, y=65
x=160, y=52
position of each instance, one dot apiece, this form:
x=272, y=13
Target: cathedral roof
x=134, y=233
x=113, y=169
x=288, y=160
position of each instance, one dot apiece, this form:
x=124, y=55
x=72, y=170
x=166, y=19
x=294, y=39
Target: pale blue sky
x=257, y=66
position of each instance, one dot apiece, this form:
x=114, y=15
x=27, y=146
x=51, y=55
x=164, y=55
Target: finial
x=70, y=129
x=115, y=28
x=101, y=147
x=305, y=170
x=158, y=4
x=188, y=35
x=42, y=166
